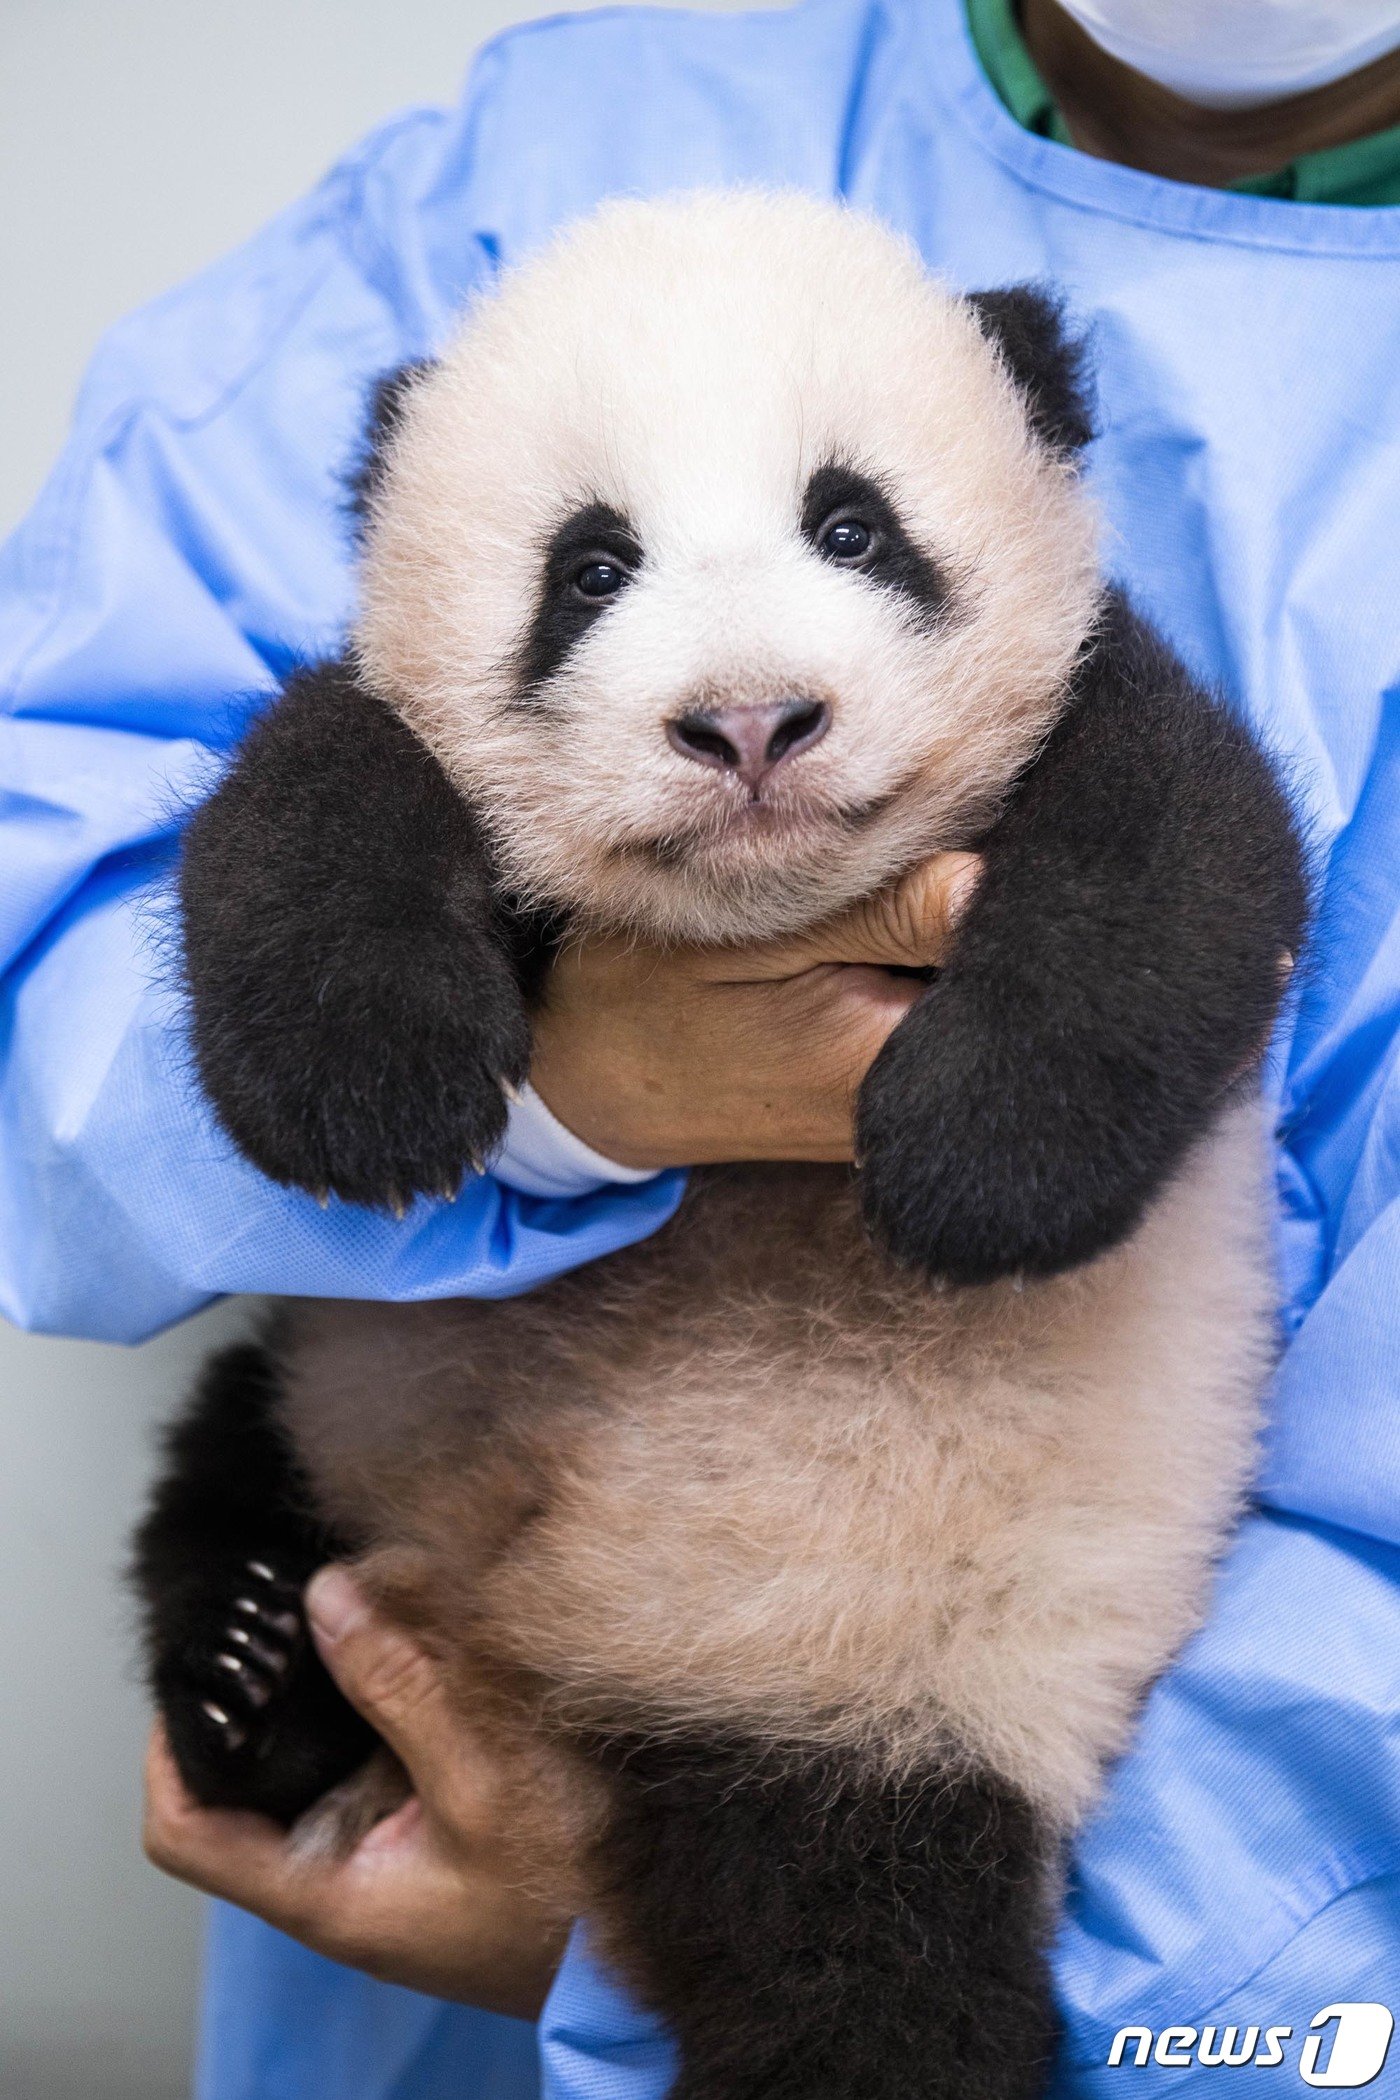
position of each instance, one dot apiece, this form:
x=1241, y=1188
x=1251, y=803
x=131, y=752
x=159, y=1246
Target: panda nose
x=750, y=742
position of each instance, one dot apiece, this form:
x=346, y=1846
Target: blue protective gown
x=1246, y=1865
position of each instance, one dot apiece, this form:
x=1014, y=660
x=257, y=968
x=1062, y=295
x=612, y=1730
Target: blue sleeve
x=191, y=542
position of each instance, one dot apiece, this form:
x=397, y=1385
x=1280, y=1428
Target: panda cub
x=808, y=1561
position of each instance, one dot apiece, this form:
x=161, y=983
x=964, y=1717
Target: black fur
x=1049, y=366
x=358, y=988
x=563, y=615
x=1119, y=964
x=809, y=1935
x=219, y=1566
x=895, y=560
x=355, y=1010
x=386, y=406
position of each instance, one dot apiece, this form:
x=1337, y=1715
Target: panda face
x=720, y=566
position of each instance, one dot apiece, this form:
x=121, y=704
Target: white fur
x=748, y=1476
x=916, y=1524
x=691, y=363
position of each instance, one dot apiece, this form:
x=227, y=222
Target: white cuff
x=540, y=1156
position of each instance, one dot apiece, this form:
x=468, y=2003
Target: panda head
x=728, y=564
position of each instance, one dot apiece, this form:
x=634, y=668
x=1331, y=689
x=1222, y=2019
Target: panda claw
x=250, y=1668
x=273, y=1660
x=252, y=1687
x=234, y=1736
x=282, y=1589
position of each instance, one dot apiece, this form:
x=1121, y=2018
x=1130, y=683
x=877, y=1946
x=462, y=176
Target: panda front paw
x=355, y=1007
x=252, y=1716
x=375, y=1131
x=977, y=1163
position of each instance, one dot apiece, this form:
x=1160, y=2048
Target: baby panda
x=808, y=1562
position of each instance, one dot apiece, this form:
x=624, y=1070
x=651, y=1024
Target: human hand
x=662, y=1057
x=425, y=1898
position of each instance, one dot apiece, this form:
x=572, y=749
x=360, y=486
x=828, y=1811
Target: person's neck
x=1119, y=114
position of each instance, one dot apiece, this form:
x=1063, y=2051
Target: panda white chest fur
x=808, y=1561
x=757, y=1481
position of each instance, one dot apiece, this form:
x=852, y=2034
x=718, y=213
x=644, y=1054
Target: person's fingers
x=353, y=1909
x=909, y=925
x=386, y=1676
x=230, y=1853
x=399, y=1906
x=398, y=1688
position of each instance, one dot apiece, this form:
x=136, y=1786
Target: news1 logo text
x=1345, y=2047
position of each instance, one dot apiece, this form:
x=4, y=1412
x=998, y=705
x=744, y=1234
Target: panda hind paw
x=253, y=1718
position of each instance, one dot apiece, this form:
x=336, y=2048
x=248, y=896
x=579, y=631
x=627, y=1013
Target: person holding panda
x=1214, y=189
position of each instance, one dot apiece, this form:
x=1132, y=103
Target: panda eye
x=599, y=579
x=846, y=540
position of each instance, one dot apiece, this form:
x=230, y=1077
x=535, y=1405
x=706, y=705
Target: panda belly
x=748, y=1480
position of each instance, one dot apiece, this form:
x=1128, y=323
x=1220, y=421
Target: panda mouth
x=859, y=816
x=756, y=825
x=741, y=830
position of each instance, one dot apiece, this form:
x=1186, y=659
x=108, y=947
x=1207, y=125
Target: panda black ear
x=386, y=405
x=355, y=1010
x=1048, y=364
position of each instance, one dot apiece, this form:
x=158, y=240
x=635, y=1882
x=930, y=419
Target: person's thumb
x=383, y=1672
x=909, y=925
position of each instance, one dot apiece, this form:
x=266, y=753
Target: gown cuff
x=540, y=1156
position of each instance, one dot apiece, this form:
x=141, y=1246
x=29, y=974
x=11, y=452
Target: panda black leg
x=253, y=1718
x=810, y=1934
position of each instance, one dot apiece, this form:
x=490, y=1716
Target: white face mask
x=1228, y=54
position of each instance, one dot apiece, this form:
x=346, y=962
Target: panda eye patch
x=851, y=520
x=846, y=539
x=588, y=559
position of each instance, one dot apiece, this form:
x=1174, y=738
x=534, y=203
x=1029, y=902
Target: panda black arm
x=354, y=1008
x=1120, y=962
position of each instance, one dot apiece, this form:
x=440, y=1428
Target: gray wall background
x=138, y=139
